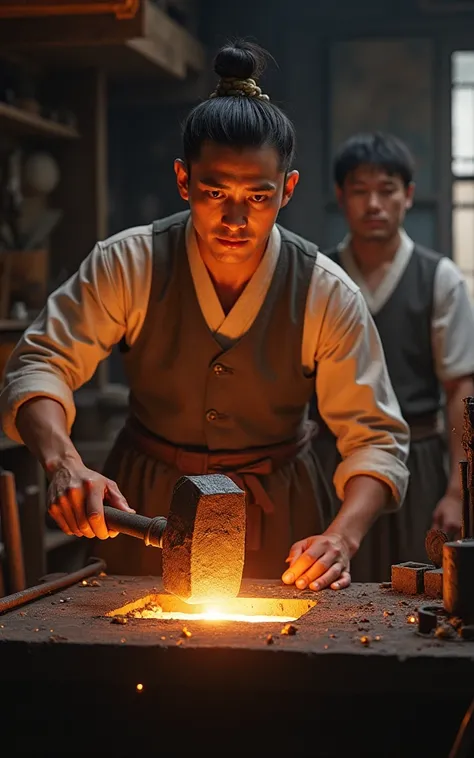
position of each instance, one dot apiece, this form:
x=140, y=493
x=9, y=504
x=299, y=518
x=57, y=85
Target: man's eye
x=215, y=194
x=259, y=198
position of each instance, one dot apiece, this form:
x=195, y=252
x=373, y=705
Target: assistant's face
x=374, y=202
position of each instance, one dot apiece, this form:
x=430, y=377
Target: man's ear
x=292, y=179
x=182, y=178
x=410, y=193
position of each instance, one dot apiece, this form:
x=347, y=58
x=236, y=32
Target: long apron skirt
x=298, y=492
x=400, y=536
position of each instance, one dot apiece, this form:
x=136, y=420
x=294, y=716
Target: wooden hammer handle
x=150, y=530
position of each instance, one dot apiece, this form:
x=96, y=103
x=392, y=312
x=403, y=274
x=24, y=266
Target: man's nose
x=235, y=217
x=374, y=201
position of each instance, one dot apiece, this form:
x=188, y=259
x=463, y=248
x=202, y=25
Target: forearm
x=42, y=425
x=455, y=392
x=365, y=498
x=357, y=401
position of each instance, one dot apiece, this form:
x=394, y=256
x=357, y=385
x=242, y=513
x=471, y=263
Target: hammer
x=203, y=538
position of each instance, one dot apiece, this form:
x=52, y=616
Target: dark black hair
x=374, y=149
x=239, y=121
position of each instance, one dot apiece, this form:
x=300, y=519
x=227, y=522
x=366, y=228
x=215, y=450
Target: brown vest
x=186, y=389
x=404, y=325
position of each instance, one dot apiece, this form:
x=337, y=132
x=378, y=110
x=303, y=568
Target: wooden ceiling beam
x=150, y=36
x=40, y=8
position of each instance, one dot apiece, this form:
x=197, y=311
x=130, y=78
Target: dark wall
x=311, y=42
x=302, y=36
x=144, y=139
x=346, y=65
x=308, y=41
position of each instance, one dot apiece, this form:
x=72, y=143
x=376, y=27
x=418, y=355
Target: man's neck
x=371, y=255
x=230, y=279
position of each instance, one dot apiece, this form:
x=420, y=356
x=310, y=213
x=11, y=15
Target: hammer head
x=204, y=540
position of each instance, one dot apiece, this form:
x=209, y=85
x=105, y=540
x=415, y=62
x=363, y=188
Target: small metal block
x=467, y=632
x=408, y=577
x=428, y=618
x=434, y=583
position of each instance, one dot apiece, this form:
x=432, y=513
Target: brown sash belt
x=243, y=467
x=424, y=427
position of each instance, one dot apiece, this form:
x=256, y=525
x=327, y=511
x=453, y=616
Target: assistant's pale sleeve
x=356, y=398
x=81, y=322
x=452, y=323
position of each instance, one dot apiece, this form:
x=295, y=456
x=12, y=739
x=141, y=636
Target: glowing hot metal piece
x=247, y=610
x=211, y=614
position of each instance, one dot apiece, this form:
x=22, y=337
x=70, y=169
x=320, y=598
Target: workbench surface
x=362, y=638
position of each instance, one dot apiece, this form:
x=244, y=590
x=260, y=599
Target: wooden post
x=11, y=533
x=32, y=518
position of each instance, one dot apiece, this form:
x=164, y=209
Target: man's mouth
x=230, y=242
x=373, y=220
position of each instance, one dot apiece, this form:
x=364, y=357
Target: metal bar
x=463, y=746
x=470, y=480
x=465, y=499
x=468, y=446
x=41, y=590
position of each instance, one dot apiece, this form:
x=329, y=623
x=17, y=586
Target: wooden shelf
x=13, y=325
x=18, y=121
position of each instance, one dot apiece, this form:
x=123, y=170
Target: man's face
x=234, y=196
x=374, y=202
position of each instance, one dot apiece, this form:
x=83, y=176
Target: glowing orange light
x=139, y=687
x=211, y=613
x=217, y=614
x=247, y=610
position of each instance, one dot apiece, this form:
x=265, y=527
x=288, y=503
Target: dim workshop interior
x=199, y=659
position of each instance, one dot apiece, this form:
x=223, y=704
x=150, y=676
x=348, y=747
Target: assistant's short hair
x=374, y=149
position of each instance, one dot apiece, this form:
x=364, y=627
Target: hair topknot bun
x=240, y=60
x=238, y=114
